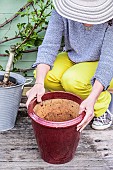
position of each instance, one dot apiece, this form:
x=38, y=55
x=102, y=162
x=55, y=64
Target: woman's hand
x=38, y=91
x=88, y=106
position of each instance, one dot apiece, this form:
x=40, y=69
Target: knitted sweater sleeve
x=47, y=52
x=104, y=72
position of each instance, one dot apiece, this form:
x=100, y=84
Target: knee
x=76, y=85
x=66, y=81
x=70, y=84
x=51, y=82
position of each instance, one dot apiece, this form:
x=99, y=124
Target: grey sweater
x=95, y=44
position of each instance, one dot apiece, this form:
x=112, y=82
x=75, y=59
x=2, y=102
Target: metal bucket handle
x=28, y=81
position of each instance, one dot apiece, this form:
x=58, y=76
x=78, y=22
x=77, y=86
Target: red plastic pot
x=57, y=141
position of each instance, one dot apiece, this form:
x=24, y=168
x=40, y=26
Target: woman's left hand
x=88, y=106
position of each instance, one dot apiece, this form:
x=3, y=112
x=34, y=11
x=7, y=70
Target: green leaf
x=29, y=0
x=1, y=68
x=7, y=51
x=35, y=1
x=36, y=14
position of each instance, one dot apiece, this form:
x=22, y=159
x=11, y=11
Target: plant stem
x=14, y=16
x=25, y=51
x=9, y=64
x=9, y=39
x=16, y=37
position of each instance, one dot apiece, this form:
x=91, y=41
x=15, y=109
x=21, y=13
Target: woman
x=86, y=66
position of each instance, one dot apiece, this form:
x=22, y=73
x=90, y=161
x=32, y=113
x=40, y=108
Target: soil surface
x=57, y=110
x=9, y=83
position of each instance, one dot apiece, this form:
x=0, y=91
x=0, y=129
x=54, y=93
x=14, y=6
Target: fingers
x=30, y=95
x=27, y=93
x=88, y=107
x=29, y=100
x=27, y=103
x=35, y=92
x=39, y=98
x=88, y=117
x=82, y=109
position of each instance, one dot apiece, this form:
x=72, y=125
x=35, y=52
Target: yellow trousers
x=75, y=78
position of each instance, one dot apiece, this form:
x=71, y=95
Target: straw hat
x=85, y=11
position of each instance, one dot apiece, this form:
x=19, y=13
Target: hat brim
x=90, y=12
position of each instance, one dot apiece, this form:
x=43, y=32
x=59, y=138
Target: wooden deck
x=19, y=151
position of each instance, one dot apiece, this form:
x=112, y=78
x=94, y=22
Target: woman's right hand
x=38, y=91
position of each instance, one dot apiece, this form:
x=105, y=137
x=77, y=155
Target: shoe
x=102, y=122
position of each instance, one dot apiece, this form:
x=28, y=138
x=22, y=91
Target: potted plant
x=30, y=35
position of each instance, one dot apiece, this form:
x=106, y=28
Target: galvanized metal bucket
x=10, y=98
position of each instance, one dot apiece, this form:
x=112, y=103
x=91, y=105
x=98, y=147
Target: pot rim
x=15, y=76
x=53, y=124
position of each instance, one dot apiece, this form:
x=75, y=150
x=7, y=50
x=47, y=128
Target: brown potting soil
x=9, y=83
x=57, y=110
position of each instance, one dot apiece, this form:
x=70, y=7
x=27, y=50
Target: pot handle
x=28, y=81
